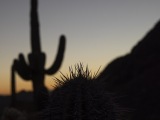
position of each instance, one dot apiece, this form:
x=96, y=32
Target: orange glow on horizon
x=5, y=87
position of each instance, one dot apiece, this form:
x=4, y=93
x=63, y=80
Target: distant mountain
x=135, y=77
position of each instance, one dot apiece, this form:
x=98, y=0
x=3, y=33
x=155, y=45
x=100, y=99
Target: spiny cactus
x=34, y=70
x=79, y=96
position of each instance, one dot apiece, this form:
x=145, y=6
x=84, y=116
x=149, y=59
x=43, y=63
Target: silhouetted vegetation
x=128, y=88
x=34, y=70
x=80, y=96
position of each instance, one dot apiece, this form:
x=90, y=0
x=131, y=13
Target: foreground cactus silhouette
x=79, y=96
x=34, y=70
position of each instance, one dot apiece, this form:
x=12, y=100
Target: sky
x=97, y=32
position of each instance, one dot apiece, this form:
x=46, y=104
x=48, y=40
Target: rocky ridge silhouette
x=135, y=77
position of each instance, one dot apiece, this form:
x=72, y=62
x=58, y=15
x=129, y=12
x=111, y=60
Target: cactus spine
x=34, y=70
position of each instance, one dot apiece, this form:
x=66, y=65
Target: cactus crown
x=78, y=72
x=79, y=96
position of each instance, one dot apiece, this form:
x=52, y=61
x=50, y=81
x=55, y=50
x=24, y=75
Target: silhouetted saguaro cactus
x=34, y=70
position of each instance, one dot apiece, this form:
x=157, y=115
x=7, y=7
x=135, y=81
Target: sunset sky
x=97, y=32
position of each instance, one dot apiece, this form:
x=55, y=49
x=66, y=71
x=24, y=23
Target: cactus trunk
x=35, y=36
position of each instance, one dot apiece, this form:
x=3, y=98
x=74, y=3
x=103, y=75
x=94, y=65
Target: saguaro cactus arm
x=59, y=58
x=22, y=68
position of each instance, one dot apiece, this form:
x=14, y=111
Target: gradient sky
x=97, y=32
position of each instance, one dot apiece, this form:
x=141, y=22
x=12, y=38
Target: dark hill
x=135, y=77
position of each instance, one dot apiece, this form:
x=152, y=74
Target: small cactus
x=79, y=96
